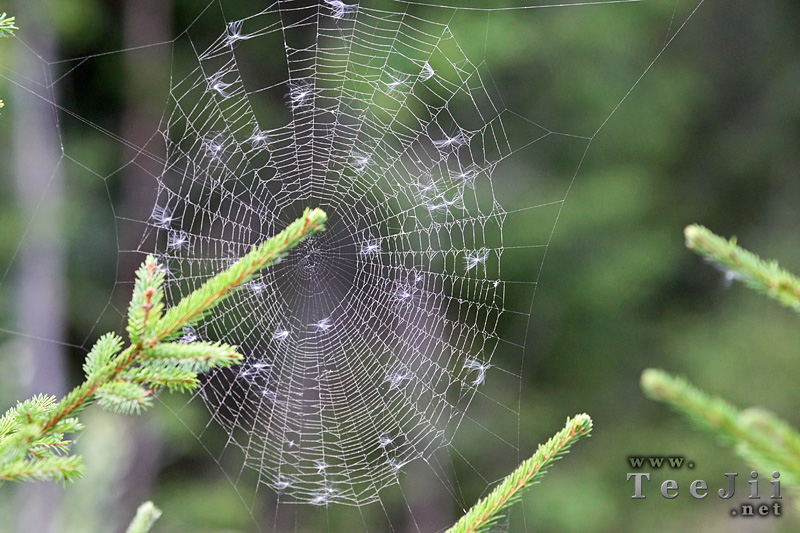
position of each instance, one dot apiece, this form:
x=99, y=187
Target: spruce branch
x=32, y=445
x=758, y=436
x=66, y=468
x=26, y=453
x=764, y=276
x=490, y=509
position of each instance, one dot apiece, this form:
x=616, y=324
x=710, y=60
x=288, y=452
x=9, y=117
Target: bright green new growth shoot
x=757, y=435
x=490, y=509
x=767, y=277
x=32, y=434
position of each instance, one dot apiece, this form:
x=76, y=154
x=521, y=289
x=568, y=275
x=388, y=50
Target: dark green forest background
x=709, y=135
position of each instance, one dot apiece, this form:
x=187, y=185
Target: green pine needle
x=764, y=276
x=49, y=445
x=490, y=509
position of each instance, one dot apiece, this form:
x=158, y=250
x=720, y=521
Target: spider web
x=366, y=346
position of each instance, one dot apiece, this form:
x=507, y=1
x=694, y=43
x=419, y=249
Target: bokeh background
x=709, y=135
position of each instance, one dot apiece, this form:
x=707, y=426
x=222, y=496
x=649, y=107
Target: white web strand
x=366, y=346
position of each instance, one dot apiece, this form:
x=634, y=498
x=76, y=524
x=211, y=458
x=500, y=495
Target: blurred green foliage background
x=708, y=135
